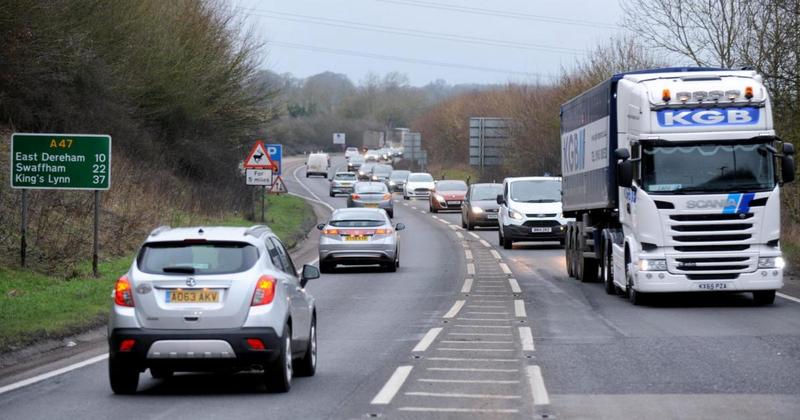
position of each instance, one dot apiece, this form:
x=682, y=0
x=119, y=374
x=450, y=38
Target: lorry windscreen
x=707, y=168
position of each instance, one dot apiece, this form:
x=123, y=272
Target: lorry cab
x=530, y=210
x=674, y=178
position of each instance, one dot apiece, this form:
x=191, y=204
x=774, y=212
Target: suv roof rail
x=160, y=229
x=255, y=230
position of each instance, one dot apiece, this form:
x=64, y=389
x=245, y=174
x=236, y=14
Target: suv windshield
x=451, y=186
x=420, y=178
x=486, y=192
x=707, y=168
x=534, y=191
x=196, y=258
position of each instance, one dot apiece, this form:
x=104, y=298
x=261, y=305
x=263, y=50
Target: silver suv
x=212, y=299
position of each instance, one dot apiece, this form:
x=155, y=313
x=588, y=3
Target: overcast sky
x=537, y=37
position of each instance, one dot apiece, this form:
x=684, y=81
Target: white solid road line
x=294, y=174
x=427, y=340
x=481, y=334
x=487, y=313
x=454, y=309
x=468, y=381
x=436, y=217
x=465, y=359
x=514, y=286
x=468, y=254
x=460, y=410
x=393, y=385
x=471, y=269
x=792, y=298
x=457, y=395
x=474, y=235
x=526, y=337
x=519, y=308
x=504, y=267
x=48, y=375
x=473, y=370
x=538, y=389
x=467, y=286
x=486, y=244
x=485, y=319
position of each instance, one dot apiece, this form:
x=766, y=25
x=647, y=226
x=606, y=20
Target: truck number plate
x=540, y=229
x=713, y=285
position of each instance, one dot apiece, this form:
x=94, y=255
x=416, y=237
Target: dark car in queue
x=354, y=163
x=397, y=180
x=447, y=195
x=372, y=195
x=381, y=173
x=480, y=206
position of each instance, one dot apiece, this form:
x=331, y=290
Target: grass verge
x=35, y=306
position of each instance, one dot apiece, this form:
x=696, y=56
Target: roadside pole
x=96, y=245
x=263, y=201
x=23, y=245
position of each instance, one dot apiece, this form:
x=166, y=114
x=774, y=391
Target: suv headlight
x=771, y=262
x=514, y=214
x=653, y=265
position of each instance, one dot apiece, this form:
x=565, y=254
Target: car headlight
x=771, y=262
x=438, y=197
x=476, y=209
x=515, y=214
x=653, y=265
x=392, y=183
x=374, y=178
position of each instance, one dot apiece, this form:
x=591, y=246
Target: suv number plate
x=192, y=296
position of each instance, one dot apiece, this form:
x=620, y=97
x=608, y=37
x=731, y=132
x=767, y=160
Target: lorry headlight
x=514, y=214
x=771, y=262
x=477, y=210
x=653, y=265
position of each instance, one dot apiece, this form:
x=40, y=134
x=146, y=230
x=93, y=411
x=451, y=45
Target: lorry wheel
x=764, y=297
x=568, y=251
x=636, y=298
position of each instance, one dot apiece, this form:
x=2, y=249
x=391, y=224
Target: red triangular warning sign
x=258, y=158
x=278, y=186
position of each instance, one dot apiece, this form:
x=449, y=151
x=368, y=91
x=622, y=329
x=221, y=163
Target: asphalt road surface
x=465, y=329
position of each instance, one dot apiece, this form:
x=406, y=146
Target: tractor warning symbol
x=259, y=158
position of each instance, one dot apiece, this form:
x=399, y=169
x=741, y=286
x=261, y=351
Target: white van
x=530, y=210
x=317, y=164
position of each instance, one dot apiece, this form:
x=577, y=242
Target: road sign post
x=261, y=163
x=61, y=162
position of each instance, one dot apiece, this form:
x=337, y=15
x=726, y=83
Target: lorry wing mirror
x=625, y=173
x=787, y=166
x=788, y=149
x=622, y=154
x=500, y=199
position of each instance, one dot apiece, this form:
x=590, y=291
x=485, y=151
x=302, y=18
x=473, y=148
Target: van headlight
x=771, y=262
x=653, y=265
x=514, y=214
x=477, y=210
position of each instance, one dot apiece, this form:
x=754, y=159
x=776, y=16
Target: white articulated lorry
x=673, y=177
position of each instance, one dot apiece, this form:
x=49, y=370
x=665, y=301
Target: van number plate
x=192, y=296
x=540, y=229
x=713, y=285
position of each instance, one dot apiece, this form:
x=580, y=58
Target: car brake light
x=387, y=231
x=355, y=196
x=387, y=196
x=123, y=295
x=255, y=344
x=331, y=232
x=127, y=345
x=265, y=291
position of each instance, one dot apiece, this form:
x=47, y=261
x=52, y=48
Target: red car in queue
x=448, y=195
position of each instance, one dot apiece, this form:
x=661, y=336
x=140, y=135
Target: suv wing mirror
x=310, y=272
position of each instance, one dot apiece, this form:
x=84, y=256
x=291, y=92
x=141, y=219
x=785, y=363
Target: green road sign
x=61, y=161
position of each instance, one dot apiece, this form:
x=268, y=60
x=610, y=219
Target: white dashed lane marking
x=526, y=337
x=467, y=286
x=538, y=390
x=496, y=254
x=454, y=309
x=504, y=267
x=459, y=395
x=519, y=308
x=395, y=382
x=514, y=286
x=427, y=340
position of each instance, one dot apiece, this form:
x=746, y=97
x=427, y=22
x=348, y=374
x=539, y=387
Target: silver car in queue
x=343, y=183
x=210, y=299
x=372, y=195
x=362, y=236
